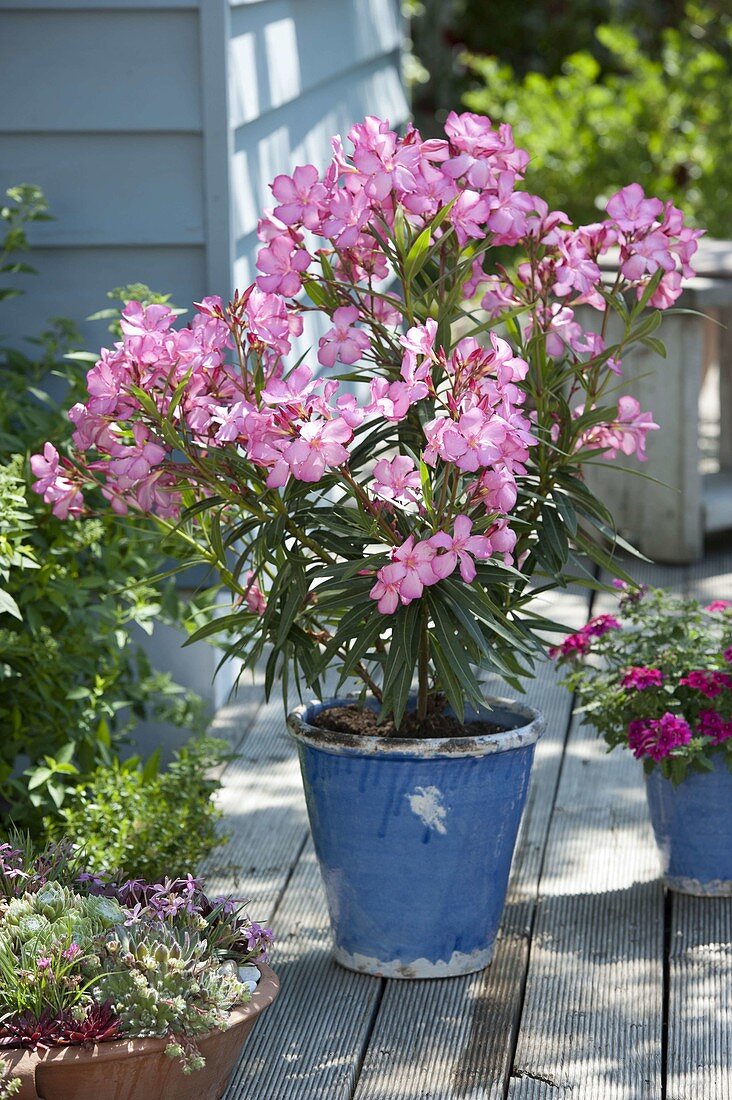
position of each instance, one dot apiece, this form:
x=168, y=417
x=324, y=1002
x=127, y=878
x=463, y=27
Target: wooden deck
x=602, y=988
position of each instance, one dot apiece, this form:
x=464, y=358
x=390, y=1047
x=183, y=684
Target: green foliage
x=9, y=1085
x=150, y=982
x=137, y=822
x=72, y=683
x=36, y=933
x=662, y=120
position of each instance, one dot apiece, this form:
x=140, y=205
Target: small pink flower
x=708, y=682
x=282, y=263
x=386, y=589
x=301, y=197
x=728, y=655
x=71, y=952
x=718, y=605
x=460, y=548
x=638, y=677
x=253, y=595
x=630, y=209
x=600, y=625
x=320, y=445
x=344, y=341
x=713, y=725
x=268, y=320
x=397, y=479
x=415, y=560
x=657, y=737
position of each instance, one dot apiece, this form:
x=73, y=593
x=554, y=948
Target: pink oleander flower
x=269, y=320
x=415, y=560
x=344, y=341
x=460, y=547
x=711, y=724
x=630, y=209
x=282, y=263
x=253, y=595
x=54, y=486
x=657, y=737
x=301, y=197
x=397, y=479
x=473, y=441
x=391, y=400
x=639, y=678
x=708, y=682
x=387, y=588
x=718, y=605
x=318, y=447
x=626, y=434
x=496, y=490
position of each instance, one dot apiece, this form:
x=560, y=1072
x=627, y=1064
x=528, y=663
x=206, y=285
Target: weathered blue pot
x=693, y=827
x=415, y=838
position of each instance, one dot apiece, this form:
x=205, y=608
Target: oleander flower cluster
x=87, y=960
x=421, y=457
x=659, y=681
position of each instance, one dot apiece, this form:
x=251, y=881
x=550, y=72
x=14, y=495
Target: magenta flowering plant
x=657, y=680
x=383, y=509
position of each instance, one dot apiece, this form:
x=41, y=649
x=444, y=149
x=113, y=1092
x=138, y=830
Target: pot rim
x=351, y=744
x=267, y=989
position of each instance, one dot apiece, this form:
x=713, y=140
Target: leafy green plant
x=139, y=822
x=72, y=683
x=9, y=1085
x=661, y=118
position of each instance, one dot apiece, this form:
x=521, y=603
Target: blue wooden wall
x=154, y=127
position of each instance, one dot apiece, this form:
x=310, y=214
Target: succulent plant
x=85, y=960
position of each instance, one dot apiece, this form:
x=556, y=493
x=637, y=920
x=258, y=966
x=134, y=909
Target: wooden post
x=664, y=521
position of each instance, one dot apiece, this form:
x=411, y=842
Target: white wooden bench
x=668, y=521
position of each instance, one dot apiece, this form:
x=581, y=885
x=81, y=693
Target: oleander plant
x=386, y=514
x=85, y=958
x=657, y=679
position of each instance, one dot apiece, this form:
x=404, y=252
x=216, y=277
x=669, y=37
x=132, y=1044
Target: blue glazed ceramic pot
x=693, y=827
x=415, y=838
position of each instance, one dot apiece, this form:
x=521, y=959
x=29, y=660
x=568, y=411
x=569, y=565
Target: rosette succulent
x=83, y=959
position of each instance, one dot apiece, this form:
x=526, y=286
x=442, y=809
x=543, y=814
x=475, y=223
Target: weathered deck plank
x=593, y=1010
x=310, y=1044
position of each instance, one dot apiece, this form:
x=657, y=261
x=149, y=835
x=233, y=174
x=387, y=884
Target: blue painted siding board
x=155, y=127
x=102, y=71
x=74, y=283
x=300, y=132
x=111, y=189
x=282, y=49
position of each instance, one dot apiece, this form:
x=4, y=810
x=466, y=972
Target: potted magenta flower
x=382, y=520
x=123, y=990
x=659, y=682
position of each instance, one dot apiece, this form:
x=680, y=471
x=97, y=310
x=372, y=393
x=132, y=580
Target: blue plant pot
x=693, y=827
x=415, y=838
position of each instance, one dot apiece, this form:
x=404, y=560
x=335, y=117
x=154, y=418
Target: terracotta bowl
x=139, y=1069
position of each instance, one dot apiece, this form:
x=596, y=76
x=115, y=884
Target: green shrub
x=72, y=682
x=661, y=120
x=142, y=823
